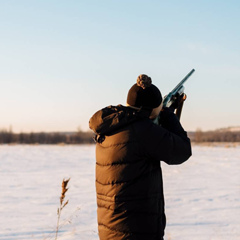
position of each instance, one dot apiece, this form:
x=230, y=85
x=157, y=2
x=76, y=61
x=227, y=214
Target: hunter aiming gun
x=177, y=94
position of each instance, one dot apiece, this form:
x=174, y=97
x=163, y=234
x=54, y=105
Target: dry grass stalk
x=62, y=203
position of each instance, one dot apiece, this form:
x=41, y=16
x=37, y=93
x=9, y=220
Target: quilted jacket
x=129, y=183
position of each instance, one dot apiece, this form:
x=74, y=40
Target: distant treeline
x=46, y=138
x=80, y=137
x=215, y=136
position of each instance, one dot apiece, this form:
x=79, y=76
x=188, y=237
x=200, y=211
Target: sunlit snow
x=202, y=196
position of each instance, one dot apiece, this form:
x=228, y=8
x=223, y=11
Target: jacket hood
x=112, y=118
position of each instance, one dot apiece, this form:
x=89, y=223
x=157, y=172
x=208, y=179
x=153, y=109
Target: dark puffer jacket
x=128, y=175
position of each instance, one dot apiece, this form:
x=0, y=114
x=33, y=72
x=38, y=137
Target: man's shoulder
x=147, y=128
x=112, y=118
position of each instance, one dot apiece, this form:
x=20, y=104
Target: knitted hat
x=144, y=93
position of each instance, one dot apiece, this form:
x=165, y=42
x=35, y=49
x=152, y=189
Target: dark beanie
x=144, y=93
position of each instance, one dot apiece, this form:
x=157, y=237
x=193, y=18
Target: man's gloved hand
x=177, y=100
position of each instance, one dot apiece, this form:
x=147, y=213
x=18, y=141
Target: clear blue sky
x=63, y=60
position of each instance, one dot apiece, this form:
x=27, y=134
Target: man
x=128, y=153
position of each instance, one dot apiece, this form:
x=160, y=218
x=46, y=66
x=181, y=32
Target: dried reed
x=62, y=203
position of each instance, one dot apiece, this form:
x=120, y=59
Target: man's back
x=128, y=174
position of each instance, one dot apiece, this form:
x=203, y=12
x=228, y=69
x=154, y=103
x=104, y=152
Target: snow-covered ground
x=202, y=196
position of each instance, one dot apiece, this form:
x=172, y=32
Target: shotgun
x=174, y=95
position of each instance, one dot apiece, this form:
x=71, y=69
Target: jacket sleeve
x=168, y=142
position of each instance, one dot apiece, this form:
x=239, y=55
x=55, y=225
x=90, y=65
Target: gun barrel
x=183, y=81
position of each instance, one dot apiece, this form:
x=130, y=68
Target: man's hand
x=178, y=100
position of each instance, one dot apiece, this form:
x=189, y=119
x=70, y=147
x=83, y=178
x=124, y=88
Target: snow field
x=202, y=196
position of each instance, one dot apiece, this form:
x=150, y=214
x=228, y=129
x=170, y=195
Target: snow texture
x=202, y=196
